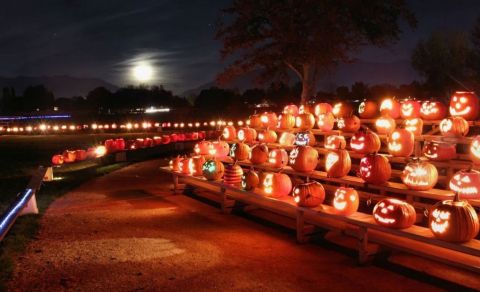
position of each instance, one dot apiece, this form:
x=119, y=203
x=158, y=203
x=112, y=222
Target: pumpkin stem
x=456, y=198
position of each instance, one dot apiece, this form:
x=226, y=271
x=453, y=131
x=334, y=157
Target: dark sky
x=100, y=38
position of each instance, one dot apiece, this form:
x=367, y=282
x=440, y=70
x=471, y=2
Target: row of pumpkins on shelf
x=450, y=220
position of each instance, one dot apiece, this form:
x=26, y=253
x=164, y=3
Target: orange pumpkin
x=368, y=109
x=305, y=138
x=309, y=195
x=433, y=110
x=247, y=135
x=203, y=148
x=240, y=151
x=250, y=180
x=219, y=149
x=213, y=169
x=345, y=201
x=410, y=109
x=325, y=122
x=278, y=158
x=401, y=143
x=337, y=163
x=57, y=159
x=322, y=108
x=464, y=104
x=342, y=109
x=267, y=136
x=303, y=158
x=259, y=154
x=276, y=185
x=80, y=155
x=420, y=175
x=195, y=165
x=475, y=150
x=454, y=127
x=466, y=183
x=305, y=121
x=385, y=125
x=286, y=121
x=185, y=166
x=334, y=142
x=390, y=107
x=255, y=121
x=286, y=139
x=439, y=151
x=175, y=164
x=229, y=133
x=414, y=125
x=290, y=109
x=69, y=156
x=349, y=124
x=365, y=142
x=393, y=213
x=269, y=120
x=233, y=175
x=375, y=169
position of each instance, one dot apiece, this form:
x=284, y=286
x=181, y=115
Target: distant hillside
x=61, y=86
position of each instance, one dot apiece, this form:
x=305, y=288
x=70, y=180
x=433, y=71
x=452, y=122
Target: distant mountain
x=61, y=86
x=396, y=73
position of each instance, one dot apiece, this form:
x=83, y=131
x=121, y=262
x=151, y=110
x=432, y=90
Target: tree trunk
x=309, y=83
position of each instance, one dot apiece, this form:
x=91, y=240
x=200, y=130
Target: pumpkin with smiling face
x=413, y=125
x=439, y=151
x=420, y=175
x=247, y=135
x=349, y=124
x=393, y=213
x=229, y=133
x=309, y=195
x=401, y=143
x=305, y=139
x=278, y=158
x=305, y=121
x=385, y=125
x=345, y=201
x=410, y=109
x=453, y=220
x=337, y=163
x=375, y=169
x=365, y=142
x=464, y=104
x=466, y=183
x=368, y=109
x=454, y=127
x=433, y=110
x=390, y=107
x=334, y=142
x=325, y=122
x=303, y=158
x=475, y=150
x=259, y=154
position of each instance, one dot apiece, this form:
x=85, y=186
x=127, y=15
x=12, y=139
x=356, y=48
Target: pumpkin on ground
x=303, y=158
x=337, y=163
x=375, y=169
x=259, y=154
x=276, y=185
x=345, y=201
x=310, y=194
x=394, y=213
x=420, y=175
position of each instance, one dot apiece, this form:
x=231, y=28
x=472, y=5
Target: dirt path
x=126, y=231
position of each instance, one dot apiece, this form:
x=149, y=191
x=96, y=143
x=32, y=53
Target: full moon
x=143, y=72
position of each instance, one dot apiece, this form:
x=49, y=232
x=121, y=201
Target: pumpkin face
x=278, y=158
x=394, y=213
x=349, y=124
x=247, y=135
x=410, y=109
x=466, y=183
x=57, y=159
x=276, y=185
x=255, y=121
x=325, y=122
x=309, y=195
x=454, y=221
x=195, y=165
x=267, y=136
x=454, y=127
x=286, y=121
x=259, y=154
x=219, y=149
x=305, y=139
x=303, y=158
x=203, y=148
x=385, y=125
x=69, y=156
x=365, y=142
x=375, y=169
x=322, y=108
x=342, y=109
x=286, y=139
x=290, y=109
x=464, y=104
x=213, y=169
x=175, y=164
x=368, y=109
x=414, y=125
x=401, y=143
x=475, y=150
x=439, y=151
x=269, y=120
x=250, y=180
x=305, y=121
x=229, y=133
x=390, y=107
x=334, y=142
x=345, y=201
x=337, y=163
x=420, y=175
x=433, y=110
x=233, y=175
x=240, y=151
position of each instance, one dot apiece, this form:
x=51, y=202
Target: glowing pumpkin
x=250, y=180
x=325, y=122
x=240, y=151
x=390, y=107
x=185, y=166
x=259, y=154
x=454, y=127
x=233, y=175
x=278, y=158
x=393, y=213
x=385, y=125
x=255, y=121
x=453, y=220
x=466, y=183
x=401, y=143
x=304, y=139
x=375, y=169
x=334, y=142
x=286, y=121
x=247, y=135
x=267, y=136
x=414, y=125
x=202, y=148
x=80, y=155
x=349, y=124
x=303, y=158
x=410, y=109
x=290, y=109
x=322, y=108
x=110, y=145
x=229, y=133
x=195, y=165
x=337, y=163
x=309, y=195
x=269, y=120
x=175, y=164
x=213, y=169
x=305, y=121
x=345, y=201
x=420, y=175
x=439, y=151
x=276, y=185
x=475, y=150
x=219, y=149
x=286, y=139
x=368, y=109
x=57, y=159
x=464, y=104
x=69, y=156
x=433, y=110
x=365, y=142
x=303, y=109
x=342, y=109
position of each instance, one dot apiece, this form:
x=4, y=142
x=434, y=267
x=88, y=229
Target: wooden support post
x=226, y=203
x=418, y=149
x=362, y=245
x=175, y=182
x=301, y=237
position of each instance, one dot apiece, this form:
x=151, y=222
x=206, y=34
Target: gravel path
x=126, y=231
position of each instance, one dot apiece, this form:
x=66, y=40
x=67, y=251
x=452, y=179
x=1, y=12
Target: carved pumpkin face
x=400, y=143
x=174, y=164
x=309, y=195
x=365, y=142
x=454, y=127
x=368, y=109
x=345, y=201
x=334, y=142
x=349, y=124
x=337, y=163
x=375, y=169
x=439, y=151
x=414, y=125
x=394, y=213
x=247, y=134
x=213, y=169
x=269, y=120
x=278, y=158
x=466, y=183
x=322, y=108
x=410, y=109
x=305, y=121
x=305, y=139
x=420, y=176
x=276, y=185
x=290, y=109
x=303, y=158
x=390, y=107
x=229, y=133
x=250, y=180
x=325, y=122
x=286, y=139
x=385, y=125
x=195, y=165
x=433, y=110
x=475, y=150
x=465, y=105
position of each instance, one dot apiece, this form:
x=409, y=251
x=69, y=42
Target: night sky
x=103, y=39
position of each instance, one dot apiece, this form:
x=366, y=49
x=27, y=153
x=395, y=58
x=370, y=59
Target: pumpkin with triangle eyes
x=413, y=125
x=309, y=195
x=439, y=151
x=464, y=104
x=466, y=183
x=410, y=109
x=394, y=213
x=345, y=201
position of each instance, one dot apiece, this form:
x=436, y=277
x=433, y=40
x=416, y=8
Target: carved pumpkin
x=349, y=124
x=365, y=142
x=334, y=142
x=401, y=143
x=454, y=127
x=157, y=140
x=303, y=158
x=433, y=110
x=203, y=148
x=420, y=175
x=475, y=150
x=269, y=120
x=337, y=163
x=240, y=151
x=57, y=159
x=276, y=185
x=375, y=169
x=305, y=121
x=466, y=183
x=278, y=158
x=175, y=164
x=394, y=213
x=195, y=165
x=345, y=201
x=342, y=109
x=390, y=107
x=309, y=195
x=322, y=108
x=250, y=180
x=259, y=154
x=303, y=109
x=325, y=122
x=267, y=136
x=185, y=166
x=69, y=156
x=286, y=121
x=110, y=145
x=304, y=139
x=229, y=133
x=255, y=121
x=368, y=109
x=233, y=175
x=80, y=155
x=286, y=139
x=464, y=104
x=247, y=135
x=290, y=109
x=410, y=109
x=385, y=125
x=414, y=125
x=453, y=220
x=219, y=149
x=213, y=169
x=439, y=151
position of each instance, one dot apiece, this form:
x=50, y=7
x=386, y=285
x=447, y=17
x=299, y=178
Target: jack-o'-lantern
x=305, y=121
x=202, y=148
x=322, y=108
x=410, y=109
x=166, y=139
x=309, y=195
x=325, y=122
x=247, y=135
x=393, y=213
x=433, y=110
x=303, y=109
x=290, y=109
x=390, y=107
x=464, y=104
x=219, y=149
x=276, y=185
x=420, y=175
x=475, y=150
x=385, y=125
x=345, y=201
x=454, y=127
x=185, y=166
x=255, y=121
x=69, y=156
x=80, y=155
x=342, y=109
x=233, y=175
x=466, y=183
x=375, y=169
x=414, y=125
x=110, y=145
x=213, y=169
x=303, y=158
x=175, y=163
x=259, y=154
x=334, y=142
x=286, y=121
x=240, y=151
x=157, y=140
x=195, y=165
x=453, y=220
x=286, y=139
x=278, y=158
x=305, y=138
x=368, y=109
x=269, y=120
x=229, y=133
x=349, y=124
x=401, y=143
x=365, y=142
x=57, y=159
x=267, y=136
x=337, y=163
x=439, y=151
x=250, y=180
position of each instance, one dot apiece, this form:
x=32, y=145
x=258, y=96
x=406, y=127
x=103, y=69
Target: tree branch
x=295, y=70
